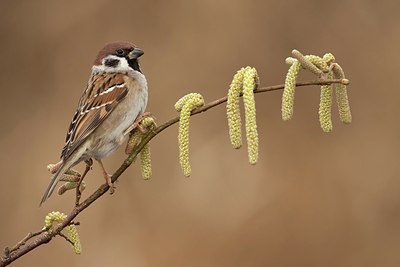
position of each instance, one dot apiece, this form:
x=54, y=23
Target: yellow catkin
x=318, y=62
x=73, y=172
x=72, y=233
x=325, y=107
x=54, y=216
x=66, y=187
x=306, y=63
x=328, y=58
x=290, y=60
x=289, y=91
x=249, y=84
x=325, y=68
x=145, y=161
x=70, y=177
x=134, y=140
x=341, y=96
x=69, y=186
x=185, y=105
x=52, y=168
x=233, y=110
x=136, y=137
x=148, y=123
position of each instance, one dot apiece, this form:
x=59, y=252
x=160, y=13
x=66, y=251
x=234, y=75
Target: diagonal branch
x=42, y=237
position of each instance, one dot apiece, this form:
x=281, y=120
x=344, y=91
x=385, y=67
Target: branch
x=44, y=236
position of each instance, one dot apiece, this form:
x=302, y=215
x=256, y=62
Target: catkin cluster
x=70, y=177
x=324, y=68
x=146, y=124
x=72, y=233
x=244, y=82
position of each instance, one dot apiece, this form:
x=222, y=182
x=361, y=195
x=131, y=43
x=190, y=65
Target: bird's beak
x=135, y=53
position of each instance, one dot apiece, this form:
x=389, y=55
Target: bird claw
x=136, y=124
x=110, y=183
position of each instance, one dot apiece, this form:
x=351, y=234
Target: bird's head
x=118, y=57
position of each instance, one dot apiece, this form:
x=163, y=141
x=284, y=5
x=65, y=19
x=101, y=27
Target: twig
x=8, y=250
x=44, y=236
x=66, y=238
x=78, y=186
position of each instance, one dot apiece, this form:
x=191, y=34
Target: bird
x=113, y=101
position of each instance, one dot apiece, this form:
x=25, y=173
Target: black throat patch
x=134, y=64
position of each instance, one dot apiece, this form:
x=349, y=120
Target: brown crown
x=110, y=48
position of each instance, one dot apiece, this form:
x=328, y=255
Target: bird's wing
x=101, y=96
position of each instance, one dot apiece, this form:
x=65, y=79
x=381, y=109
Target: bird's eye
x=120, y=52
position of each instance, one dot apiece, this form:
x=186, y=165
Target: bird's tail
x=54, y=180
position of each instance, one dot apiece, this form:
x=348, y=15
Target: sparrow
x=114, y=99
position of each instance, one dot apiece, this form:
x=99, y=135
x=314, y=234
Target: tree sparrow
x=114, y=98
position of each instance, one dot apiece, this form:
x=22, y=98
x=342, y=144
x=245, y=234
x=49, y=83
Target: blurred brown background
x=313, y=199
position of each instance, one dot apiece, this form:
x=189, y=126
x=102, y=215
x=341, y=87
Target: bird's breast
x=110, y=134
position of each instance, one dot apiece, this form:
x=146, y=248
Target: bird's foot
x=146, y=124
x=107, y=177
x=137, y=125
x=110, y=183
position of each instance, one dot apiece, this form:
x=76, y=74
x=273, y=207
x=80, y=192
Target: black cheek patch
x=111, y=63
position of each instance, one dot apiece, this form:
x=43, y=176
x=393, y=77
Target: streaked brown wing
x=101, y=96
